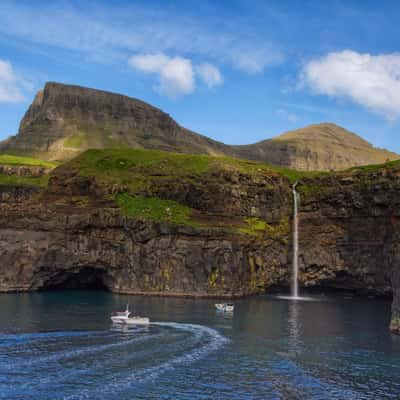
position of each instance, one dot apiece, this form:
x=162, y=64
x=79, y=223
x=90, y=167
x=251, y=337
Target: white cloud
x=10, y=84
x=282, y=113
x=210, y=74
x=254, y=60
x=372, y=81
x=175, y=74
x=91, y=30
x=177, y=77
x=152, y=63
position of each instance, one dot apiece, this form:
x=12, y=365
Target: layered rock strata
x=72, y=234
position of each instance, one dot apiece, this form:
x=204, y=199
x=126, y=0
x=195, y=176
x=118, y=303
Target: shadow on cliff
x=85, y=277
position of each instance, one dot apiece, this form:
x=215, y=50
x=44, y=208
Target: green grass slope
x=8, y=159
x=7, y=179
x=139, y=166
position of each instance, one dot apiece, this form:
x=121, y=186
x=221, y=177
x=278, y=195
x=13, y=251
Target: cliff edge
x=154, y=222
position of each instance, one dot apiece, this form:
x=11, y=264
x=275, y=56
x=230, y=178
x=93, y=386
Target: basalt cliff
x=153, y=222
x=65, y=120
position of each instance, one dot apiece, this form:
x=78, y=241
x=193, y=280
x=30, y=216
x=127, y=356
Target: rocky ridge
x=65, y=120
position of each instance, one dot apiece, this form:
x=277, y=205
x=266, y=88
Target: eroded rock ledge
x=131, y=255
x=349, y=236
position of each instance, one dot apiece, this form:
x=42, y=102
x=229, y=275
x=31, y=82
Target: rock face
x=23, y=170
x=316, y=148
x=349, y=236
x=65, y=120
x=49, y=241
x=103, y=250
x=352, y=223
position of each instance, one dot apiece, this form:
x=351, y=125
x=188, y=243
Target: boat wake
x=205, y=341
x=79, y=352
x=215, y=341
x=125, y=360
x=17, y=339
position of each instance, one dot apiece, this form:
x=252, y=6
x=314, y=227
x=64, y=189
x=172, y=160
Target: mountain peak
x=323, y=146
x=64, y=120
x=326, y=131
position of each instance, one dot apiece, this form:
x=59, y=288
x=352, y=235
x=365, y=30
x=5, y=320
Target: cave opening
x=83, y=278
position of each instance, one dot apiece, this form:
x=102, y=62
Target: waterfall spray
x=295, y=275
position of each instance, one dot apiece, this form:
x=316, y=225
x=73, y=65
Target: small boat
x=225, y=307
x=123, y=318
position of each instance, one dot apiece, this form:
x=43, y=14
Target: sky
x=239, y=71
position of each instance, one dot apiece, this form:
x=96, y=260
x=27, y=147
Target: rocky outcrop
x=14, y=195
x=350, y=234
x=72, y=234
x=65, y=120
x=356, y=223
x=102, y=249
x=395, y=321
x=23, y=170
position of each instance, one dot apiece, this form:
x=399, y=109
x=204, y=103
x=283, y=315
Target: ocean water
x=61, y=345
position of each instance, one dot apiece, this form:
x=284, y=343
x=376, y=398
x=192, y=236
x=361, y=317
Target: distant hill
x=316, y=147
x=65, y=120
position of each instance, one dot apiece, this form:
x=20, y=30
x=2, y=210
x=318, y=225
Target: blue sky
x=237, y=71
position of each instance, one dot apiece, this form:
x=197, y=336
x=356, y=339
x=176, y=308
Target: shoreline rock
x=349, y=230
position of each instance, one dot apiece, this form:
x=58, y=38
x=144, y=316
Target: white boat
x=123, y=318
x=225, y=307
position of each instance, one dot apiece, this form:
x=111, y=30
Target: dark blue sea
x=61, y=345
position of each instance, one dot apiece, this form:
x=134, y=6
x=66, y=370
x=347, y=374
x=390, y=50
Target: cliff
x=65, y=120
x=350, y=232
x=137, y=221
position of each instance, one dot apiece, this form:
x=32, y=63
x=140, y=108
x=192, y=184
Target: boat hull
x=130, y=321
x=224, y=307
x=137, y=321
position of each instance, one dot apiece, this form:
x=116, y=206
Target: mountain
x=65, y=120
x=316, y=147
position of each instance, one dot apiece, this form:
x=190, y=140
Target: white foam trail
x=216, y=340
x=17, y=339
x=141, y=353
x=79, y=352
x=199, y=331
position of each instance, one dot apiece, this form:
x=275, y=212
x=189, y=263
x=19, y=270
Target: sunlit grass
x=8, y=159
x=155, y=209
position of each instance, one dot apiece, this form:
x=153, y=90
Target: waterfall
x=295, y=266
